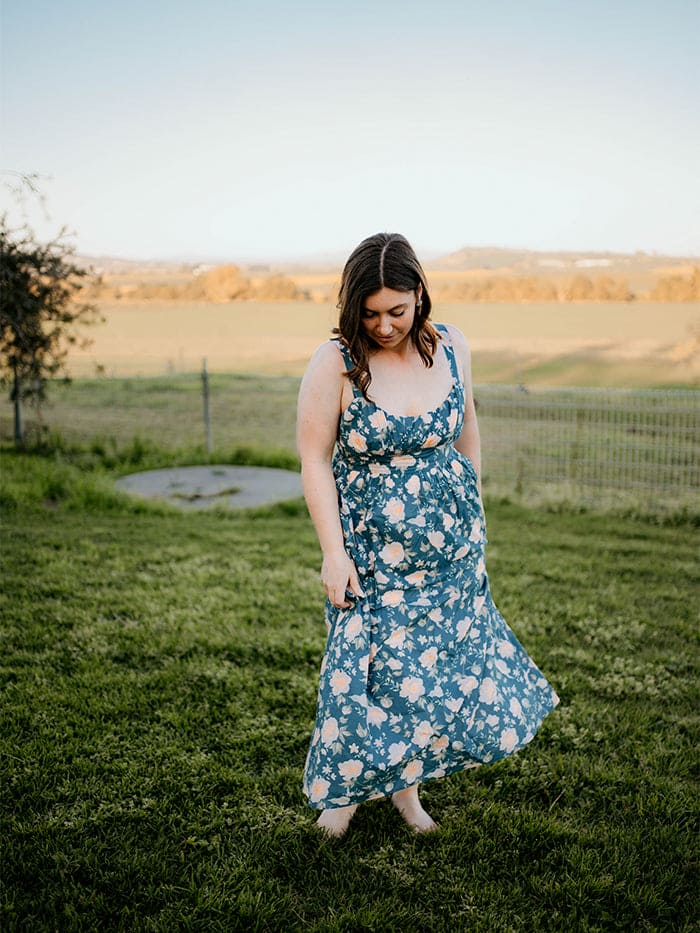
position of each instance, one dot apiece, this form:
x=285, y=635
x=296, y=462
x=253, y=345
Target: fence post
x=17, y=399
x=576, y=466
x=207, y=418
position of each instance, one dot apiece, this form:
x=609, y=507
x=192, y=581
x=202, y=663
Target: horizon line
x=426, y=255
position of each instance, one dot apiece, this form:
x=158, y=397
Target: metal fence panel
x=603, y=445
x=639, y=447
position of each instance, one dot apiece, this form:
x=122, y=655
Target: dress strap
x=347, y=359
x=450, y=351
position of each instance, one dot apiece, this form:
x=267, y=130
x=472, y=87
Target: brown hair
x=385, y=260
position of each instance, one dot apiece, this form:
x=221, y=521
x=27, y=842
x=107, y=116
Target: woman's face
x=387, y=316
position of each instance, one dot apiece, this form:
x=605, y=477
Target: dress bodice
x=367, y=432
x=390, y=469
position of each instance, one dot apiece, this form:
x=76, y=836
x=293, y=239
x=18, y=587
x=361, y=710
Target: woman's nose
x=384, y=326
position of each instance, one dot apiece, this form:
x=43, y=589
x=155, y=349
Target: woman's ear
x=419, y=291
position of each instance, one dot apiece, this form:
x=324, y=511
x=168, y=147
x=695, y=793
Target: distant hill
x=114, y=265
x=533, y=261
x=469, y=258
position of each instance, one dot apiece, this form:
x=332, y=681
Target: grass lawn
x=159, y=676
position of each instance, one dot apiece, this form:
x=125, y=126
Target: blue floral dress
x=422, y=676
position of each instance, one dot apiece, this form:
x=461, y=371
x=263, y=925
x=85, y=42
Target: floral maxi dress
x=421, y=677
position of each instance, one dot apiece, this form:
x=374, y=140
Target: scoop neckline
x=390, y=414
x=455, y=382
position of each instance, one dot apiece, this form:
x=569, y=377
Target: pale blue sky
x=246, y=130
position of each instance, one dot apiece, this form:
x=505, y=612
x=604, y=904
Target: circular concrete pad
x=201, y=487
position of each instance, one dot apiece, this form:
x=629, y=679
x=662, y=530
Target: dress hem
x=466, y=764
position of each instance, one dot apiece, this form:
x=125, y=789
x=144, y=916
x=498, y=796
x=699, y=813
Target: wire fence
x=598, y=447
x=639, y=447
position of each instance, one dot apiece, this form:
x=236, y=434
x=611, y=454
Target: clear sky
x=251, y=129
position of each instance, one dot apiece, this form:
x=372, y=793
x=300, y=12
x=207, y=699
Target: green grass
x=159, y=674
x=167, y=411
x=580, y=368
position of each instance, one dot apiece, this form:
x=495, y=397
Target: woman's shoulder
x=457, y=338
x=327, y=359
x=331, y=349
x=330, y=346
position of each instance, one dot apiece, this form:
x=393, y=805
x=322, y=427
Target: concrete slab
x=202, y=487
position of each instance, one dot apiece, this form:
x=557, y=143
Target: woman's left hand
x=339, y=576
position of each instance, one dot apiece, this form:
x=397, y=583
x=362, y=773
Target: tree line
x=230, y=283
x=574, y=288
x=222, y=283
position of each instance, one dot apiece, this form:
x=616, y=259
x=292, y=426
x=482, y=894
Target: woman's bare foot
x=409, y=806
x=335, y=820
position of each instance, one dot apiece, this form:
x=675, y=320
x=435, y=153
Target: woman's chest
x=409, y=388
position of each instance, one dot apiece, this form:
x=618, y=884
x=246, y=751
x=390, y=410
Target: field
x=159, y=676
x=159, y=669
x=575, y=343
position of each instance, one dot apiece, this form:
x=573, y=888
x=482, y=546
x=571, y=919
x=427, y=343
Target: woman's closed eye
x=369, y=315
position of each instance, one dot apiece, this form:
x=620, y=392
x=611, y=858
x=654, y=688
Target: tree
x=40, y=314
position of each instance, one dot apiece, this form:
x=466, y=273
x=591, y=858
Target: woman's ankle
x=406, y=793
x=335, y=820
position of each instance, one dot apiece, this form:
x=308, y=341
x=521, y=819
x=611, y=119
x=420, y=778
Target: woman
x=421, y=676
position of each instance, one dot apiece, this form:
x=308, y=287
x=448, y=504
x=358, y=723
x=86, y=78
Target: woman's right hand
x=338, y=574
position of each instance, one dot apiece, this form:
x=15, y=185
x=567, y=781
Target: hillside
x=469, y=274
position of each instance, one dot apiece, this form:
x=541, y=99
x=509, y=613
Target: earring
x=419, y=305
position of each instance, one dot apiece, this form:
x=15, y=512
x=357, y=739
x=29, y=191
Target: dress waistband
x=398, y=461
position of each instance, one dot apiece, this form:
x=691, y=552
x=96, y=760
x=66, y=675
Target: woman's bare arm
x=318, y=412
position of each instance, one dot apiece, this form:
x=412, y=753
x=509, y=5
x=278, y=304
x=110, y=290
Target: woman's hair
x=385, y=260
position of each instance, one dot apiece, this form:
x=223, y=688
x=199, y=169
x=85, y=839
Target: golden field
x=558, y=343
